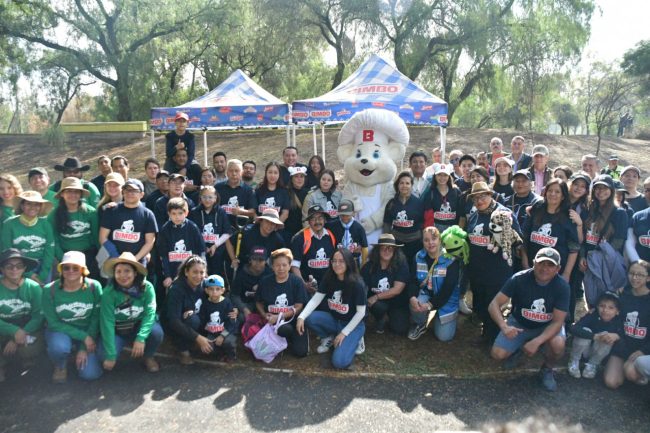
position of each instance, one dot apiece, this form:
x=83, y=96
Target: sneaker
x=380, y=326
x=574, y=368
x=185, y=358
x=547, y=376
x=416, y=332
x=512, y=361
x=361, y=347
x=325, y=344
x=60, y=375
x=464, y=308
x=590, y=371
x=151, y=365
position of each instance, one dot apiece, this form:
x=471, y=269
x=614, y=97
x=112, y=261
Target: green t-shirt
x=35, y=242
x=20, y=308
x=81, y=233
x=75, y=314
x=120, y=308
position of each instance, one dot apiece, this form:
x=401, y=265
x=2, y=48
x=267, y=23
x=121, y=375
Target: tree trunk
x=123, y=95
x=598, y=144
x=340, y=68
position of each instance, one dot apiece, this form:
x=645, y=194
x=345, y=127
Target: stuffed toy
x=454, y=241
x=371, y=144
x=503, y=235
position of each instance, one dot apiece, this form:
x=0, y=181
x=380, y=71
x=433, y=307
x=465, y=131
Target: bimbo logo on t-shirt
x=179, y=253
x=444, y=213
x=335, y=303
x=477, y=237
x=321, y=261
x=269, y=203
x=644, y=240
x=592, y=237
x=543, y=236
x=537, y=312
x=382, y=286
x=125, y=233
x=281, y=305
x=233, y=202
x=401, y=220
x=632, y=328
x=208, y=234
x=215, y=324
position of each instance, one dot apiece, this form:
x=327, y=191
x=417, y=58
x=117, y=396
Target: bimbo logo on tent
x=376, y=88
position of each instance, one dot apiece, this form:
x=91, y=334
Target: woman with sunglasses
x=21, y=318
x=128, y=313
x=71, y=308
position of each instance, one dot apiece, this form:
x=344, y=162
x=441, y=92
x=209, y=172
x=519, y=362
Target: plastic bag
x=267, y=344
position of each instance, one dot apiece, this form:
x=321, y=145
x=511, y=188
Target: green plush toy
x=454, y=241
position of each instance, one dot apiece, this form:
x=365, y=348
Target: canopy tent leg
x=205, y=148
x=443, y=143
x=293, y=131
x=153, y=143
x=313, y=136
x=288, y=130
x=323, y=141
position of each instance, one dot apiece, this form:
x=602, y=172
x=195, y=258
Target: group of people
x=198, y=253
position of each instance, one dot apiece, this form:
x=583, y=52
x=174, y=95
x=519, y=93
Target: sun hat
x=72, y=183
x=270, y=215
x=33, y=197
x=13, y=253
x=479, y=188
x=548, y=254
x=387, y=239
x=316, y=209
x=72, y=163
x=125, y=257
x=74, y=258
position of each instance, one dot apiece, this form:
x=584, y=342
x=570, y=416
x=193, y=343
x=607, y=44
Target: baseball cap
x=134, y=183
x=346, y=207
x=631, y=167
x=175, y=176
x=258, y=253
x=540, y=149
x=523, y=172
x=603, y=179
x=36, y=170
x=548, y=254
x=214, y=281
x=162, y=173
x=180, y=115
x=613, y=157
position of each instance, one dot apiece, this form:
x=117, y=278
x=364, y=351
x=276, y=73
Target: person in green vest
x=128, y=313
x=39, y=180
x=75, y=224
x=10, y=188
x=72, y=167
x=21, y=318
x=71, y=308
x=29, y=232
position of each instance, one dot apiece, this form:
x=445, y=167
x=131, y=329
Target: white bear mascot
x=371, y=144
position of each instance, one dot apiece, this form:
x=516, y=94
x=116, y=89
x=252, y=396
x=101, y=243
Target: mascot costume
x=371, y=144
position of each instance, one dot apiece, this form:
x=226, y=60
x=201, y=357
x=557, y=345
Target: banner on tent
x=206, y=117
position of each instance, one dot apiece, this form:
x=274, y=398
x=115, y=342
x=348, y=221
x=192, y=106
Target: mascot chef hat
x=374, y=126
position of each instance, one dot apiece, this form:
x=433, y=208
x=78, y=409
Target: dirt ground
x=385, y=353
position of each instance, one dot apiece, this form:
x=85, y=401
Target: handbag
x=267, y=344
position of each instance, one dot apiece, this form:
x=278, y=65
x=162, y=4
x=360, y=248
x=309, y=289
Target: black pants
x=575, y=284
x=181, y=343
x=398, y=317
x=482, y=296
x=298, y=344
x=228, y=347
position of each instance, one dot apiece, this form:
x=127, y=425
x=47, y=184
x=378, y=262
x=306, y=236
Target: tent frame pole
x=153, y=143
x=205, y=147
x=314, y=139
x=293, y=132
x=323, y=140
x=443, y=143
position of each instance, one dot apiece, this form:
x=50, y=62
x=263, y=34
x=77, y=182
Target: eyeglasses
x=70, y=268
x=637, y=275
x=209, y=197
x=477, y=198
x=14, y=266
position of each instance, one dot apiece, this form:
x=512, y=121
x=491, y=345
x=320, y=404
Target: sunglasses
x=14, y=266
x=70, y=268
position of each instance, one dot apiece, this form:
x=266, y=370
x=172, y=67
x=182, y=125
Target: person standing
x=72, y=167
x=521, y=160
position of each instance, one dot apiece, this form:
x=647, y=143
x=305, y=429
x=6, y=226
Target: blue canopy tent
x=236, y=103
x=375, y=84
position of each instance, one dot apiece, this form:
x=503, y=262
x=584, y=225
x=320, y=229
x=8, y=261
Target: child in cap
x=594, y=335
x=219, y=318
x=349, y=232
x=179, y=138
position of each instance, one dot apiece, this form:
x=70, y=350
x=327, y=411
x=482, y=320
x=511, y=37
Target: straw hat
x=479, y=188
x=33, y=197
x=272, y=216
x=387, y=240
x=74, y=258
x=126, y=257
x=72, y=183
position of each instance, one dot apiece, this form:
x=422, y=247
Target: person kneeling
x=540, y=300
x=219, y=319
x=340, y=325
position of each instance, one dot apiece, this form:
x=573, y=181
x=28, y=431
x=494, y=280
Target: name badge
x=441, y=272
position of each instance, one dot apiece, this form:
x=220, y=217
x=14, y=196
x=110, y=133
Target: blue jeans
x=150, y=344
x=443, y=332
x=59, y=347
x=325, y=325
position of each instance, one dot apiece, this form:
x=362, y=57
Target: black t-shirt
x=214, y=317
x=245, y=284
x=357, y=234
x=641, y=229
x=618, y=220
x=446, y=209
x=343, y=307
x=518, y=206
x=211, y=224
x=552, y=231
x=253, y=238
x=637, y=203
x=317, y=258
x=504, y=190
x=593, y=324
x=533, y=304
x=383, y=279
x=635, y=312
x=241, y=196
x=277, y=199
x=406, y=217
x=280, y=297
x=128, y=226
